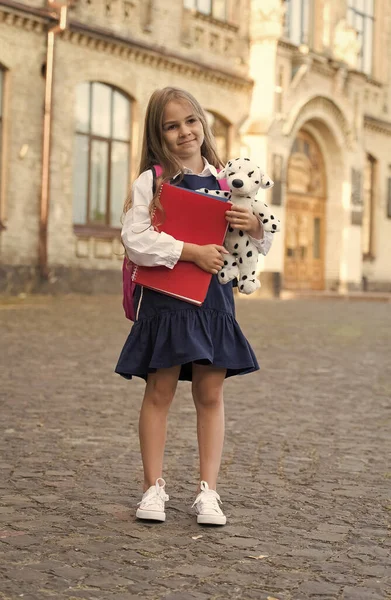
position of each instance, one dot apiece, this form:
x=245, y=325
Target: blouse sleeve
x=265, y=243
x=145, y=246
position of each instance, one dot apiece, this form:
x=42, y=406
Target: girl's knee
x=160, y=391
x=207, y=396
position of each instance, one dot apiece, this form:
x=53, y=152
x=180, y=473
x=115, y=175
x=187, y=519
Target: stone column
x=266, y=29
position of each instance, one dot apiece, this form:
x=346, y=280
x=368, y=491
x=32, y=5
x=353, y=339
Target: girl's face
x=182, y=130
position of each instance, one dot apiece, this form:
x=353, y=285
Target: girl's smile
x=182, y=130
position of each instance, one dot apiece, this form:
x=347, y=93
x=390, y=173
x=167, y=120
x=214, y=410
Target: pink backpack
x=128, y=285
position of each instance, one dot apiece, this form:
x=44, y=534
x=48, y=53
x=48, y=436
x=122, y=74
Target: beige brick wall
x=138, y=81
x=22, y=54
x=211, y=60
x=80, y=58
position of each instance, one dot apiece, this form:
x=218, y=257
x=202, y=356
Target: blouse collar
x=207, y=170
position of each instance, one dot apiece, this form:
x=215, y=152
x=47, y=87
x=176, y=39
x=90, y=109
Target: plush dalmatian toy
x=244, y=179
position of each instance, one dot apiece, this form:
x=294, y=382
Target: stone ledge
x=328, y=295
x=23, y=279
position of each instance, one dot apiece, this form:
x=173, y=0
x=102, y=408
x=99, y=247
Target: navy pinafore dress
x=170, y=332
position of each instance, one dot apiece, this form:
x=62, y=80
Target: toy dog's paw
x=248, y=285
x=228, y=273
x=269, y=221
x=218, y=193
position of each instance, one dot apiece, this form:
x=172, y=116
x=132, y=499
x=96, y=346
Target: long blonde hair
x=154, y=148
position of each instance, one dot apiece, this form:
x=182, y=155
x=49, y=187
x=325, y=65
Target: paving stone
x=303, y=477
x=318, y=589
x=361, y=593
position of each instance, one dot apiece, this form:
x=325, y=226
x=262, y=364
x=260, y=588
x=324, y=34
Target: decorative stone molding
x=104, y=40
x=315, y=108
x=221, y=39
x=377, y=125
x=267, y=18
x=29, y=22
x=208, y=19
x=346, y=47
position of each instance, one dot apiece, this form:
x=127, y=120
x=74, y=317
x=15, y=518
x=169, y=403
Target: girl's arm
x=149, y=248
x=243, y=218
x=145, y=246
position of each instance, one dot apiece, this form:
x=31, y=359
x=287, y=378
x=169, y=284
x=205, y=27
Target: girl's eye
x=170, y=127
x=192, y=120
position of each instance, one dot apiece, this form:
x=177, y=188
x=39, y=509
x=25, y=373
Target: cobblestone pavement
x=305, y=481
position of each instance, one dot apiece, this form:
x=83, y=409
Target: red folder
x=189, y=217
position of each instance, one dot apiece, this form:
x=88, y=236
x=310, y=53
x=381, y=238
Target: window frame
x=196, y=6
x=91, y=227
x=305, y=27
x=352, y=13
x=228, y=130
x=369, y=209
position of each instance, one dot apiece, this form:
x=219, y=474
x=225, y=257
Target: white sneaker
x=152, y=502
x=207, y=507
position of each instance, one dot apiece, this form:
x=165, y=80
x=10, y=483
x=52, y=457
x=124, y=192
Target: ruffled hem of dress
x=175, y=338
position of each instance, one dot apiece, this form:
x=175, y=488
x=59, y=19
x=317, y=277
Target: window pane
x=369, y=7
x=305, y=21
x=121, y=117
x=220, y=130
x=83, y=107
x=80, y=179
x=219, y=9
x=101, y=109
x=98, y=184
x=119, y=181
x=359, y=23
x=367, y=50
x=295, y=22
x=204, y=6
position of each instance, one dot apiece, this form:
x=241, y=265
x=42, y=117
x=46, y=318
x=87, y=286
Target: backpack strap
x=156, y=172
x=223, y=183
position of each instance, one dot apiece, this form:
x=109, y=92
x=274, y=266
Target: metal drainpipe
x=62, y=15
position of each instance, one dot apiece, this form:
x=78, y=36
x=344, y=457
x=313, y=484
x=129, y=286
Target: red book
x=190, y=217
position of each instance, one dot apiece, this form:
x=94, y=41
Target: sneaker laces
x=155, y=494
x=207, y=499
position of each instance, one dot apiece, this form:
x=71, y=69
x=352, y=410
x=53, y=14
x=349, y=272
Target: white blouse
x=149, y=248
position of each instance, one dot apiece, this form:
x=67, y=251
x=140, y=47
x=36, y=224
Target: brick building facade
x=305, y=87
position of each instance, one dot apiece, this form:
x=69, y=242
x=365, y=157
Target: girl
x=171, y=339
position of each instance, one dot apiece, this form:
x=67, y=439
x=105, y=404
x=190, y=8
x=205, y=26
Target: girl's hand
x=243, y=218
x=209, y=258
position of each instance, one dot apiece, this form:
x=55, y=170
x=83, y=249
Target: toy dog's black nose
x=237, y=183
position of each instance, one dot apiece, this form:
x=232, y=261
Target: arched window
x=101, y=154
x=220, y=129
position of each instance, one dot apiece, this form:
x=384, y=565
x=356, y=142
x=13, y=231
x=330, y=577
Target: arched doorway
x=305, y=216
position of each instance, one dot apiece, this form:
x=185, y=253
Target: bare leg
x=159, y=393
x=208, y=399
